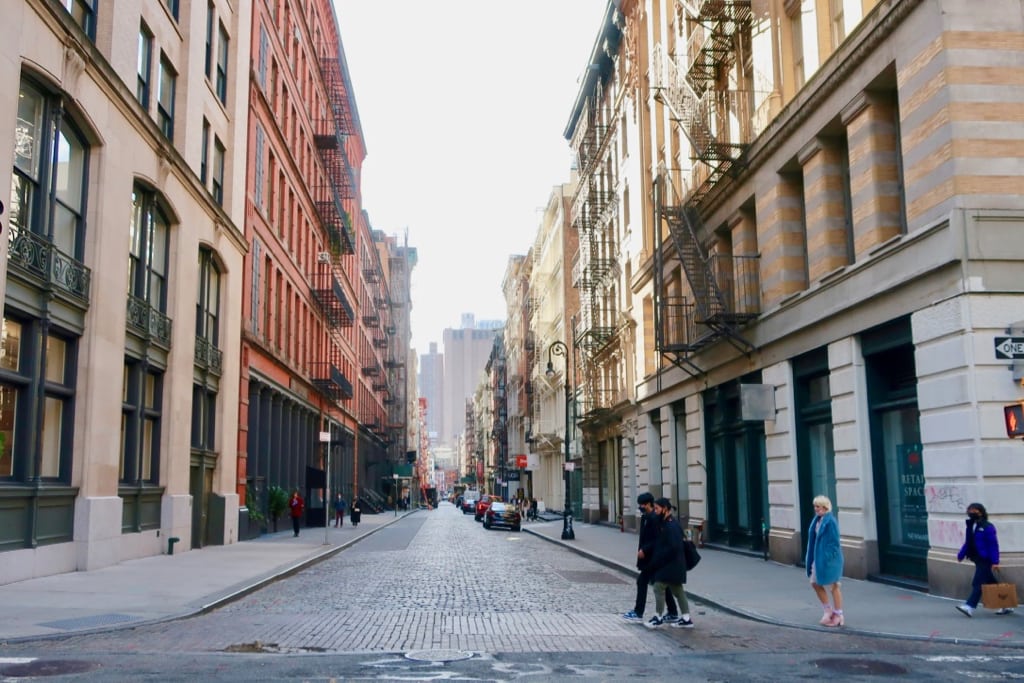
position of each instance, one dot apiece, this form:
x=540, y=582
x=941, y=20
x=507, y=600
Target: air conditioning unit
x=323, y=257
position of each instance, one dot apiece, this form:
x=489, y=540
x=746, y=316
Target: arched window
x=48, y=186
x=147, y=261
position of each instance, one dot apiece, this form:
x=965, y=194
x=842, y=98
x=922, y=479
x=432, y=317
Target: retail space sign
x=913, y=509
x=1009, y=348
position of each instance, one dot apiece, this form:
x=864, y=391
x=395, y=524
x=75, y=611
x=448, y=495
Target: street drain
x=864, y=667
x=438, y=655
x=43, y=667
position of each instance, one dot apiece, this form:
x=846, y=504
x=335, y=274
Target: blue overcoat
x=824, y=551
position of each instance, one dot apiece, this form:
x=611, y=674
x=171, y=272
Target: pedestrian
x=649, y=524
x=668, y=568
x=339, y=511
x=357, y=512
x=824, y=561
x=981, y=546
x=296, y=505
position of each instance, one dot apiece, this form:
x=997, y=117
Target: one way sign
x=1010, y=348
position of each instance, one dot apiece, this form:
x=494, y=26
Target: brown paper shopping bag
x=996, y=595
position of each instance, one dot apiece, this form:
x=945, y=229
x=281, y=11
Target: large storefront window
x=737, y=470
x=897, y=457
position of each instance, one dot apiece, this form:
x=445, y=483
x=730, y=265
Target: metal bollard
x=170, y=544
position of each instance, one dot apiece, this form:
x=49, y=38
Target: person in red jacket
x=296, y=505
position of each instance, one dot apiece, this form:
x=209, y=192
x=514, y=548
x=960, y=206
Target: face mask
x=974, y=516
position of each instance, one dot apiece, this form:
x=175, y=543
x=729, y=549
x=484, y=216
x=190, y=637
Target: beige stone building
x=799, y=232
x=120, y=275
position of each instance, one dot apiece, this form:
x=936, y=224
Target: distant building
x=431, y=386
x=465, y=356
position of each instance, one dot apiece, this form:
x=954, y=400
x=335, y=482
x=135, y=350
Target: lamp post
x=559, y=348
x=395, y=477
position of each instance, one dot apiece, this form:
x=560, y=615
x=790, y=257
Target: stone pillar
x=827, y=238
x=780, y=214
x=871, y=129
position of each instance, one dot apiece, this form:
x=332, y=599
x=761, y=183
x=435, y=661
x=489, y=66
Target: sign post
x=325, y=439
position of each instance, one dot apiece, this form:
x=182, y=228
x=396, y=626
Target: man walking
x=649, y=524
x=668, y=567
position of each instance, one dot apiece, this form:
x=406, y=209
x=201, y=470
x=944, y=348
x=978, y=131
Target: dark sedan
x=469, y=506
x=503, y=515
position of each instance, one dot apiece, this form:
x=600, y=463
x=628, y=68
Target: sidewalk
x=166, y=587
x=169, y=587
x=780, y=594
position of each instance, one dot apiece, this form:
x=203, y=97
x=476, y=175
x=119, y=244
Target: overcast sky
x=463, y=104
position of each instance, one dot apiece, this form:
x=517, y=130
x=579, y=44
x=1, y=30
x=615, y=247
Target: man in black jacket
x=668, y=567
x=649, y=523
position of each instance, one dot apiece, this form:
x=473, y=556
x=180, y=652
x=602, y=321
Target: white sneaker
x=965, y=610
x=1004, y=610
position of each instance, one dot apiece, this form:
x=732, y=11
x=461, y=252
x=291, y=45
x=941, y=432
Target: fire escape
x=595, y=270
x=336, y=185
x=717, y=121
x=394, y=359
x=376, y=321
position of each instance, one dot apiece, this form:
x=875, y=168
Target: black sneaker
x=670, y=618
x=654, y=622
x=683, y=623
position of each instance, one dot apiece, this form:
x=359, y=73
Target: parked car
x=469, y=506
x=484, y=503
x=503, y=515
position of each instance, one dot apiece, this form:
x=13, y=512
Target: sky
x=463, y=105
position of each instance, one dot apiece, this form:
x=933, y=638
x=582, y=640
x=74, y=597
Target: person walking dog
x=824, y=561
x=981, y=546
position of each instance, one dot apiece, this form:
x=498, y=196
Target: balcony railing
x=40, y=261
x=148, y=322
x=208, y=356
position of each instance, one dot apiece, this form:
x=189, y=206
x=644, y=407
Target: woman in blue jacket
x=824, y=561
x=981, y=546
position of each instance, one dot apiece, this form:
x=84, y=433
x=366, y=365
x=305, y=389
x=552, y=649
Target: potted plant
x=277, y=503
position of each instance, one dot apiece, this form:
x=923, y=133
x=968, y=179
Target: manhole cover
x=47, y=667
x=866, y=667
x=438, y=655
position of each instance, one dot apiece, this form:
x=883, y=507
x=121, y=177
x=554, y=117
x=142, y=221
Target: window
x=172, y=7
x=222, y=64
x=838, y=23
x=147, y=261
x=84, y=14
x=48, y=187
x=36, y=371
x=260, y=180
x=208, y=298
x=218, y=171
x=204, y=418
x=797, y=31
x=141, y=391
x=208, y=58
x=145, y=66
x=204, y=153
x=165, y=105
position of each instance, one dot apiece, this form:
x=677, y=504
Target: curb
x=764, y=619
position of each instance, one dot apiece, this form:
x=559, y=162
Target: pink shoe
x=836, y=620
x=826, y=618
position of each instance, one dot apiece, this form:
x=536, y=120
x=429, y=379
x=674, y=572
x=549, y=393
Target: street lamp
x=559, y=348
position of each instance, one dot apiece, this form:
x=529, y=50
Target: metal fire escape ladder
x=692, y=100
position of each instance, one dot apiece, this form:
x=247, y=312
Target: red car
x=482, y=505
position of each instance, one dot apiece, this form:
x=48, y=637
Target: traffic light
x=1013, y=414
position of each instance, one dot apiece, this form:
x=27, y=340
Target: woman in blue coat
x=981, y=546
x=824, y=561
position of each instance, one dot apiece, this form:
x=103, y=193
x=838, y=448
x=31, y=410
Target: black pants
x=642, y=582
x=295, y=525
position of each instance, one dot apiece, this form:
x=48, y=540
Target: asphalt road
x=437, y=597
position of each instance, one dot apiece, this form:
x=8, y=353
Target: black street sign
x=1010, y=348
